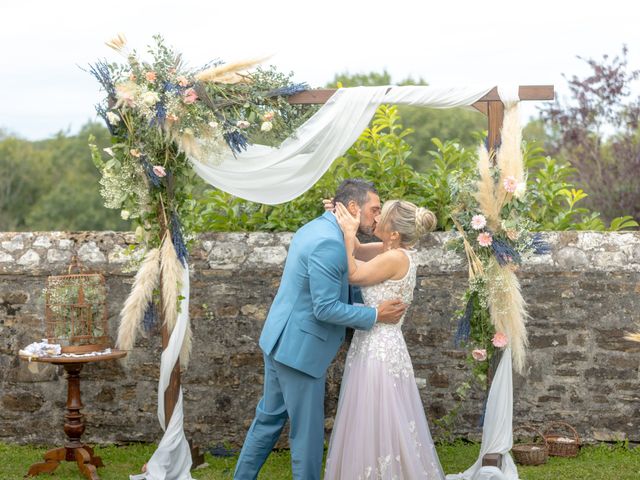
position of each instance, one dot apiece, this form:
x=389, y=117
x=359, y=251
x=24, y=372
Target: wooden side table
x=74, y=450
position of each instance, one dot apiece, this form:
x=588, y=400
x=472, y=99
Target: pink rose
x=268, y=116
x=499, y=340
x=479, y=354
x=485, y=239
x=190, y=96
x=159, y=171
x=151, y=76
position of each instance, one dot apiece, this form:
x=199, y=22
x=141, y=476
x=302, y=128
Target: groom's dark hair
x=354, y=189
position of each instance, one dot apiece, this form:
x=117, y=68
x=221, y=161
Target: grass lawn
x=601, y=462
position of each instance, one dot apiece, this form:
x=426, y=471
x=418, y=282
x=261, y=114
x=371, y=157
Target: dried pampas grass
x=634, y=337
x=171, y=271
x=136, y=304
x=508, y=310
x=509, y=156
x=486, y=195
x=229, y=72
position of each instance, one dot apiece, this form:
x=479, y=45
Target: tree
x=52, y=184
x=596, y=130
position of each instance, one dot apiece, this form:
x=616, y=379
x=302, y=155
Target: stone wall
x=582, y=298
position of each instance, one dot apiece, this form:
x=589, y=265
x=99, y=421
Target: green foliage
x=381, y=155
x=52, y=185
x=455, y=124
x=553, y=197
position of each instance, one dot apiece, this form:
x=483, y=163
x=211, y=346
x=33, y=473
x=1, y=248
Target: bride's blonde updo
x=410, y=221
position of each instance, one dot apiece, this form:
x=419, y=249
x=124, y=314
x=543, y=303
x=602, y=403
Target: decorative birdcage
x=76, y=310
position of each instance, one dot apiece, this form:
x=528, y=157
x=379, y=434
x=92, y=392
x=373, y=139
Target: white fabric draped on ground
x=276, y=175
x=172, y=458
x=497, y=434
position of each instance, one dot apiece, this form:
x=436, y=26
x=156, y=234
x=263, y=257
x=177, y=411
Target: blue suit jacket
x=306, y=323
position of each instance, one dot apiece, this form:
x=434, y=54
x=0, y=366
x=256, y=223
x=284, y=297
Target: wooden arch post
x=490, y=105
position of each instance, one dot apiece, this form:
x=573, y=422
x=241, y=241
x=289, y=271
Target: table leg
x=84, y=464
x=51, y=461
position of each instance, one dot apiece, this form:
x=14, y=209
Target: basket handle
x=550, y=429
x=532, y=428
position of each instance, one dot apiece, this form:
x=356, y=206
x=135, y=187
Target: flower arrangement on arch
x=495, y=234
x=160, y=112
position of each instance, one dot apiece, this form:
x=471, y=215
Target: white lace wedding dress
x=380, y=430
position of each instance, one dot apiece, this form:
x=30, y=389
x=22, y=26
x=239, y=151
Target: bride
x=380, y=429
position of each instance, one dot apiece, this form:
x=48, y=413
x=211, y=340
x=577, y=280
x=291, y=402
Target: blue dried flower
x=100, y=70
x=464, y=324
x=504, y=252
x=539, y=246
x=150, y=317
x=177, y=239
x=161, y=114
x=148, y=169
x=288, y=90
x=237, y=141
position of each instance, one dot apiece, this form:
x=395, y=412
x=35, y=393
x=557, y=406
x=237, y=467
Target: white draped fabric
x=172, y=458
x=497, y=433
x=276, y=175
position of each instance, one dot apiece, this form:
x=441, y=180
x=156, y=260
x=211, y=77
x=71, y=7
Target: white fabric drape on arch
x=276, y=175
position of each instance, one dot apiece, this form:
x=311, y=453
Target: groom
x=302, y=334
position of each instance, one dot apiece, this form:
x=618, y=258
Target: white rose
x=213, y=125
x=520, y=189
x=125, y=214
x=242, y=124
x=266, y=126
x=150, y=98
x=113, y=118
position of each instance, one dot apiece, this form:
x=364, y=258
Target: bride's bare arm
x=380, y=268
x=367, y=251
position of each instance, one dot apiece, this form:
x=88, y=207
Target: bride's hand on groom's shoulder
x=328, y=204
x=348, y=223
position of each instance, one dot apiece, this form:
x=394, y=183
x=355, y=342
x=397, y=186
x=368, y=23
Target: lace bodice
x=385, y=341
x=374, y=295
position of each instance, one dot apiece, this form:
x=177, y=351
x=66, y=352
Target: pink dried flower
x=485, y=239
x=479, y=354
x=268, y=116
x=151, y=76
x=190, y=96
x=159, y=171
x=242, y=124
x=478, y=222
x=135, y=152
x=499, y=340
x=510, y=184
x=182, y=81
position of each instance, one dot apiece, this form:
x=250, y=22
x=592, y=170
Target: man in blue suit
x=302, y=334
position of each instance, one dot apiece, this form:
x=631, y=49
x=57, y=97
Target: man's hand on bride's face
x=348, y=223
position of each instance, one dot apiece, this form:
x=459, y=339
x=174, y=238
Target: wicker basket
x=531, y=453
x=560, y=444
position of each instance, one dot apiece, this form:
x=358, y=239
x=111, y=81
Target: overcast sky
x=449, y=42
